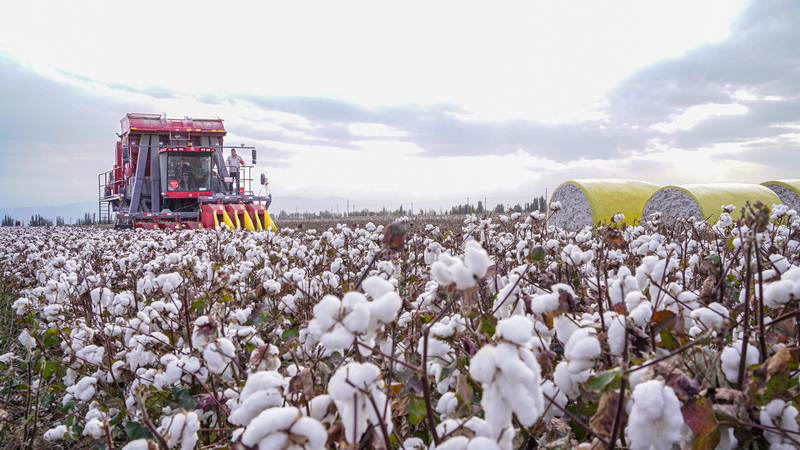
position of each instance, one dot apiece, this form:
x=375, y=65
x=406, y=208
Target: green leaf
x=601, y=380
x=199, y=304
x=135, y=430
x=50, y=367
x=486, y=327
x=416, y=410
x=184, y=398
x=292, y=332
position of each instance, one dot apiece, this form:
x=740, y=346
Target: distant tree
x=499, y=208
x=60, y=221
x=39, y=221
x=8, y=221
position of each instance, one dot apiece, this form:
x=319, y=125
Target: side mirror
x=263, y=178
x=126, y=154
x=254, y=156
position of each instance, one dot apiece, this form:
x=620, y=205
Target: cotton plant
x=731, y=357
x=655, y=418
x=782, y=416
x=779, y=293
x=463, y=273
x=358, y=391
x=263, y=390
x=579, y=353
x=182, y=428
x=510, y=377
x=338, y=323
x=284, y=428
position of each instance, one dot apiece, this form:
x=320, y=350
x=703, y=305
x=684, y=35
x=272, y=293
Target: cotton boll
x=84, y=389
x=182, y=427
x=782, y=416
x=517, y=329
x=564, y=327
x=731, y=356
x=56, y=433
x=476, y=259
x=26, y=339
x=655, y=419
x=711, y=317
x=779, y=293
x=262, y=390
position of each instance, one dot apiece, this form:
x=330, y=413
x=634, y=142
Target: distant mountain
x=74, y=211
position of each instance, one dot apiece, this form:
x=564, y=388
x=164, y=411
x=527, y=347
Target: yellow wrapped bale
x=787, y=190
x=592, y=201
x=705, y=201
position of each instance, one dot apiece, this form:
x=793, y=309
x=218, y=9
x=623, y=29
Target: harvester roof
x=137, y=123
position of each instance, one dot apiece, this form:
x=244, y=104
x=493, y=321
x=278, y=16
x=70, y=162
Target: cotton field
x=496, y=332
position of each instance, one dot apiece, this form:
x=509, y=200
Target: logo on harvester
x=173, y=184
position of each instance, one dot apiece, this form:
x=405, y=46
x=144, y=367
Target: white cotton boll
x=384, y=309
x=26, y=339
x=414, y=443
x=376, y=287
x=138, y=444
x=440, y=270
x=476, y=259
x=56, y=433
x=7, y=358
x=545, y=303
x=711, y=317
x=559, y=398
x=617, y=334
x=454, y=443
x=780, y=263
x=655, y=419
x=326, y=312
x=22, y=305
x=581, y=349
x=642, y=313
x=569, y=382
x=181, y=427
x=732, y=355
x=313, y=431
x=517, y=329
x=357, y=320
x=218, y=355
x=564, y=327
x=318, y=407
x=84, y=389
x=462, y=277
x=338, y=338
x=782, y=416
x=779, y=293
x=95, y=428
x=262, y=390
x=447, y=404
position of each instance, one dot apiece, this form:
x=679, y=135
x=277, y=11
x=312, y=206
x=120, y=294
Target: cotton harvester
x=172, y=174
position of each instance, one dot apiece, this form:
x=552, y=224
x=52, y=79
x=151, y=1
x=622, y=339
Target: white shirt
x=234, y=161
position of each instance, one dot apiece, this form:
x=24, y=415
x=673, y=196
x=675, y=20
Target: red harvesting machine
x=172, y=174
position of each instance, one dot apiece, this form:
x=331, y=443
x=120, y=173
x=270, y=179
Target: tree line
x=537, y=204
x=37, y=220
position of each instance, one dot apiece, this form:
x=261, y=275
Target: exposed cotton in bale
x=705, y=201
x=587, y=202
x=787, y=190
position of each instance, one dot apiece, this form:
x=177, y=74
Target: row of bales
x=589, y=202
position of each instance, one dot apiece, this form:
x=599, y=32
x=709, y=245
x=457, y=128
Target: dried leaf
x=698, y=414
x=602, y=422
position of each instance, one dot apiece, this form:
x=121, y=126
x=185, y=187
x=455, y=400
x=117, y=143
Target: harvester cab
x=172, y=174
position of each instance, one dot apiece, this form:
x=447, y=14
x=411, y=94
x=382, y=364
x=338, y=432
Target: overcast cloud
x=731, y=104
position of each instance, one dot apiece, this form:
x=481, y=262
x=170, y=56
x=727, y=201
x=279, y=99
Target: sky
x=394, y=103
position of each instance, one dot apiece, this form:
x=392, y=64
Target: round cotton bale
x=705, y=201
x=588, y=202
x=787, y=190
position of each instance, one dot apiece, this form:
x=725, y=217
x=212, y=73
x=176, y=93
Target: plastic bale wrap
x=705, y=201
x=787, y=190
x=588, y=202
